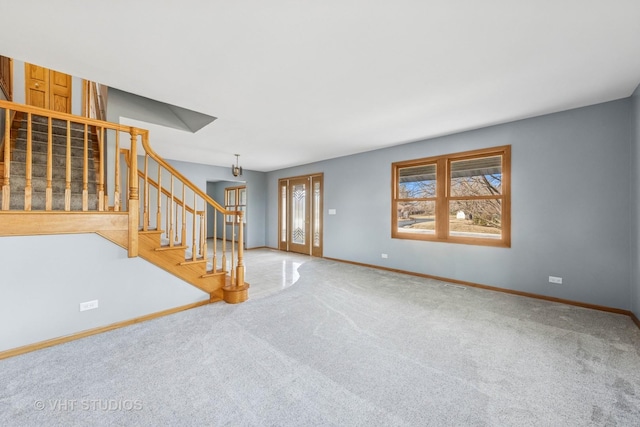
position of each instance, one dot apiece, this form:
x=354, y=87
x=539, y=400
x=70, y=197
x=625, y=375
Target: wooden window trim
x=6, y=77
x=442, y=198
x=236, y=205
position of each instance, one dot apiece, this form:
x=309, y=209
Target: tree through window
x=458, y=198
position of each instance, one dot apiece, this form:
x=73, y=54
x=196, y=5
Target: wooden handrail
x=23, y=108
x=174, y=172
x=177, y=224
x=156, y=185
x=236, y=292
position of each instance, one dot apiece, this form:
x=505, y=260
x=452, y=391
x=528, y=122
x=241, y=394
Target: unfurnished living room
x=353, y=213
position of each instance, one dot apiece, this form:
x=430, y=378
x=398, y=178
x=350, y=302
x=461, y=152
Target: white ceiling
x=293, y=82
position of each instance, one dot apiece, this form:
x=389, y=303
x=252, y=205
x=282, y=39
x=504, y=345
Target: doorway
x=47, y=88
x=300, y=202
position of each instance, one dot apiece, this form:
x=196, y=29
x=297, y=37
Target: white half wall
x=45, y=278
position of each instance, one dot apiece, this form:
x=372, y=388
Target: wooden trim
x=496, y=289
x=282, y=183
x=441, y=231
x=285, y=182
x=50, y=343
x=6, y=80
x=85, y=98
x=155, y=184
x=635, y=319
x=317, y=250
x=64, y=116
x=174, y=172
x=236, y=189
x=33, y=223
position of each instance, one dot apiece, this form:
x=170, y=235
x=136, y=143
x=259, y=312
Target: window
x=456, y=198
x=235, y=199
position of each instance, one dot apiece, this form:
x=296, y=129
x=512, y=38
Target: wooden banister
x=23, y=108
x=174, y=172
x=134, y=196
x=70, y=137
x=29, y=163
x=6, y=189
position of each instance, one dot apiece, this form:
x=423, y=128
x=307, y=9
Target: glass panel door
x=299, y=216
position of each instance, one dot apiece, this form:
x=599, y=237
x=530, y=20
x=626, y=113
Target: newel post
x=240, y=267
x=134, y=195
x=237, y=291
x=6, y=183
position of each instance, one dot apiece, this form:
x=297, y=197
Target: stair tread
x=150, y=231
x=196, y=261
x=169, y=248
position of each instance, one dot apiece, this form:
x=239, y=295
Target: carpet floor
x=333, y=344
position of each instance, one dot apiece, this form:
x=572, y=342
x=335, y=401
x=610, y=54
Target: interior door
x=47, y=88
x=299, y=211
x=300, y=214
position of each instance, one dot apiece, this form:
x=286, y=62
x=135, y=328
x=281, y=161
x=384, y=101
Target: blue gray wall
x=570, y=207
x=200, y=174
x=575, y=184
x=216, y=191
x=635, y=200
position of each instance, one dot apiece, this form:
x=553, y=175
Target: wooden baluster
x=194, y=247
x=203, y=231
x=6, y=185
x=85, y=170
x=145, y=220
x=233, y=250
x=67, y=185
x=116, y=193
x=176, y=238
x=101, y=179
x=128, y=153
x=183, y=236
x=166, y=229
x=159, y=213
x=134, y=196
x=215, y=241
x=48, y=202
x=240, y=267
x=29, y=165
x=224, y=242
x=171, y=238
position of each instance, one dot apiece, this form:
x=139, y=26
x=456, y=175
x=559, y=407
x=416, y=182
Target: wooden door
x=300, y=215
x=47, y=88
x=299, y=211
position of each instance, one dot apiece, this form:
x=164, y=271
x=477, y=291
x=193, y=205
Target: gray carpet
x=343, y=346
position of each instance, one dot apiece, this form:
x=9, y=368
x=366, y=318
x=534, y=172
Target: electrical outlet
x=385, y=256
x=89, y=305
x=554, y=279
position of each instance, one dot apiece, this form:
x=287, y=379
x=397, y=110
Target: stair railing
x=105, y=150
x=94, y=100
x=57, y=140
x=172, y=203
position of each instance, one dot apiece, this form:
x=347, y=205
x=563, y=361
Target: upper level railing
x=60, y=162
x=94, y=100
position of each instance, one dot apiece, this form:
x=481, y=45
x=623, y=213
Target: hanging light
x=236, y=170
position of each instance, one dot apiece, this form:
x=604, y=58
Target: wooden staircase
x=174, y=259
x=83, y=193
x=53, y=171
